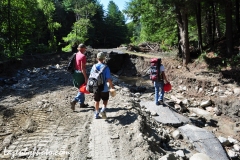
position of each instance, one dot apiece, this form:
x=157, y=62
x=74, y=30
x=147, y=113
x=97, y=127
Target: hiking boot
x=73, y=104
x=161, y=102
x=96, y=115
x=103, y=114
x=82, y=105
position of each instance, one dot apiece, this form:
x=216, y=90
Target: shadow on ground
x=7, y=113
x=125, y=119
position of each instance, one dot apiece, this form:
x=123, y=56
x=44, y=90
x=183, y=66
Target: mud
x=35, y=114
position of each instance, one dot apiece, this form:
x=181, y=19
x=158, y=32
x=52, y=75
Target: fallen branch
x=150, y=47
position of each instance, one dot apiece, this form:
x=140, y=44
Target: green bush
x=41, y=48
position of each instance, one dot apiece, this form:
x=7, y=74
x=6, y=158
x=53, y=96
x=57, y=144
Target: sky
x=120, y=3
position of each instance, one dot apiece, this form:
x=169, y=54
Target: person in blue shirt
x=104, y=95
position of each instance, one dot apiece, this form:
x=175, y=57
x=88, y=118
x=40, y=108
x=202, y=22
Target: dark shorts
x=101, y=95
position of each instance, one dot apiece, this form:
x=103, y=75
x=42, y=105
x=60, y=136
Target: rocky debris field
x=199, y=120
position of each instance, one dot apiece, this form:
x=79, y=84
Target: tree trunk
x=213, y=23
x=237, y=20
x=182, y=20
x=179, y=46
x=9, y=25
x=209, y=26
x=217, y=29
x=17, y=33
x=237, y=16
x=199, y=26
x=229, y=40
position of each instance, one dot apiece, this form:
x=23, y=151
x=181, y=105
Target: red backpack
x=154, y=69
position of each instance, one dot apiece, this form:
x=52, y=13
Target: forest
x=193, y=27
x=45, y=26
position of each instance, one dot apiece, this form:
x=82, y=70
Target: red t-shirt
x=80, y=58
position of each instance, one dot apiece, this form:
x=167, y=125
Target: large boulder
x=204, y=142
x=200, y=156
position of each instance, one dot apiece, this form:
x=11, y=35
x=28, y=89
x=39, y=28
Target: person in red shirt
x=79, y=76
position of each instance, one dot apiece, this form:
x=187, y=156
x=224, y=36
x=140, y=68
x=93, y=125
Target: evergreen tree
x=116, y=29
x=48, y=8
x=17, y=23
x=84, y=10
x=96, y=33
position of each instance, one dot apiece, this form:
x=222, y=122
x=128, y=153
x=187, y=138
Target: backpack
x=71, y=64
x=96, y=80
x=155, y=74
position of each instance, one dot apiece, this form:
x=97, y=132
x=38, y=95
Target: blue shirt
x=106, y=74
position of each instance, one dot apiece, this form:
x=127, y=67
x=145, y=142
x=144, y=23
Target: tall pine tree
x=116, y=30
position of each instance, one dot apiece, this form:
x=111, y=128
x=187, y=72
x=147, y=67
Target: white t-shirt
x=162, y=69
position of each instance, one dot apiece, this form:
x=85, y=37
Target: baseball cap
x=81, y=45
x=100, y=55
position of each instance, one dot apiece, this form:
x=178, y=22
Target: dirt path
x=100, y=142
x=36, y=121
x=55, y=127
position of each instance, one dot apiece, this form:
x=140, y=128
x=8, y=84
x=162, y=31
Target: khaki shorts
x=101, y=95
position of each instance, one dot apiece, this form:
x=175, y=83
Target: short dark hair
x=81, y=46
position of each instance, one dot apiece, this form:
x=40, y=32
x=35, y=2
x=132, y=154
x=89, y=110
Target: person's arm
x=110, y=83
x=108, y=77
x=165, y=77
x=84, y=70
x=162, y=69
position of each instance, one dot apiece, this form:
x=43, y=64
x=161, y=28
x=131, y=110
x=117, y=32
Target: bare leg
x=105, y=103
x=103, y=112
x=97, y=106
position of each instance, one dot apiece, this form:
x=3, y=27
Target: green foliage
x=131, y=31
x=202, y=56
x=164, y=48
x=17, y=24
x=79, y=34
x=37, y=26
x=235, y=60
x=157, y=19
x=84, y=11
x=25, y=24
x=157, y=24
x=7, y=54
x=48, y=8
x=116, y=29
x=67, y=4
x=41, y=48
x=97, y=32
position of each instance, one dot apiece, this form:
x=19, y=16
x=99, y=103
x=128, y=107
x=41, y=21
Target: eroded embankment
x=42, y=95
x=196, y=84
